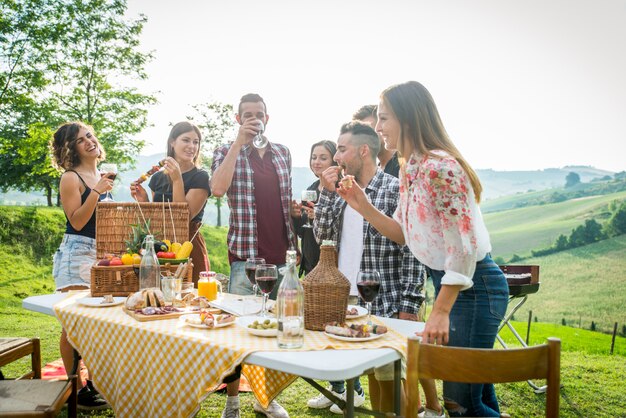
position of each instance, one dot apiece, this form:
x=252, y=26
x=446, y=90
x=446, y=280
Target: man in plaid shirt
x=361, y=247
x=257, y=182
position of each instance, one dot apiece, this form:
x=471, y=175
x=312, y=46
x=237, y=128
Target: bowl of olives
x=261, y=327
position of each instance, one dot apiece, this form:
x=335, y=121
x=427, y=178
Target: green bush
x=37, y=230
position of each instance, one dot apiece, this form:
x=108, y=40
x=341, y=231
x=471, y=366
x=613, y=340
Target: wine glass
x=250, y=267
x=368, y=284
x=110, y=170
x=308, y=196
x=259, y=141
x=266, y=277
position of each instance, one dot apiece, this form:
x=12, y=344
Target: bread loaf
x=145, y=298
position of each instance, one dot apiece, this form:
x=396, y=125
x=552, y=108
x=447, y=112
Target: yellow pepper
x=169, y=245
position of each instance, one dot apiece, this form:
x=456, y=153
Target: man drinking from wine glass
x=255, y=175
x=362, y=248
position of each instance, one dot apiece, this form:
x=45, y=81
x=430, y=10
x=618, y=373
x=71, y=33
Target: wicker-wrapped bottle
x=326, y=291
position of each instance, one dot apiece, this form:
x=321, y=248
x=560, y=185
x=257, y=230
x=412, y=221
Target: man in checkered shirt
x=361, y=247
x=257, y=182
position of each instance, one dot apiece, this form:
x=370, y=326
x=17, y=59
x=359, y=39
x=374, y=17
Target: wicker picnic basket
x=113, y=227
x=326, y=292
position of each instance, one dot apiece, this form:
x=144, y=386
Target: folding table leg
x=349, y=411
x=397, y=386
x=519, y=338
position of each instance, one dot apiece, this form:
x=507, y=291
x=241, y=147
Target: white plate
x=241, y=305
x=193, y=320
x=361, y=312
x=96, y=302
x=353, y=339
x=244, y=321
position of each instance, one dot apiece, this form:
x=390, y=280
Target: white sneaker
x=431, y=413
x=358, y=401
x=274, y=410
x=321, y=401
x=230, y=412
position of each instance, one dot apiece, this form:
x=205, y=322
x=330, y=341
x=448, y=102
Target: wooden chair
x=28, y=395
x=472, y=365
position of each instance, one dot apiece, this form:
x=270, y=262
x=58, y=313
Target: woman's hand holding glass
x=108, y=172
x=308, y=196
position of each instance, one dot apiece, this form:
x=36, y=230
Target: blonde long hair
x=421, y=129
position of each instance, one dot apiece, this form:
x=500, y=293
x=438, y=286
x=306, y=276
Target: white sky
x=520, y=85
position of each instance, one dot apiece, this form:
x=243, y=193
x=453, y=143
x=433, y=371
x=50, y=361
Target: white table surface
x=319, y=364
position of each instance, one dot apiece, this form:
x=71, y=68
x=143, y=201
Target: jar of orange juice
x=208, y=285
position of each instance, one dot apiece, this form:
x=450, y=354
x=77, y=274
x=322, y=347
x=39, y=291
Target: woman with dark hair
x=320, y=159
x=182, y=180
x=439, y=219
x=76, y=151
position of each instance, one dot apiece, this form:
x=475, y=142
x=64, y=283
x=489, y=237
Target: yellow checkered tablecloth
x=163, y=368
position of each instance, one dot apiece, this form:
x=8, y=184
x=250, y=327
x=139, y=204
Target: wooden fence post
x=613, y=339
x=530, y=317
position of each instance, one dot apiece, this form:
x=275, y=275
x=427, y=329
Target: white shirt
x=351, y=249
x=440, y=219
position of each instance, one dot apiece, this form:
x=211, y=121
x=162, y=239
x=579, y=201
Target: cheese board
x=141, y=317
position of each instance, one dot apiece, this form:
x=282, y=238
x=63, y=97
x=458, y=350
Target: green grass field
x=592, y=379
x=582, y=285
x=517, y=231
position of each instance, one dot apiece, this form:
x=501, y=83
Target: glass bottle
x=290, y=302
x=149, y=270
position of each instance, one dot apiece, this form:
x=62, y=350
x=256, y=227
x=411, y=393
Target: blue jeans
x=71, y=264
x=340, y=385
x=240, y=285
x=474, y=322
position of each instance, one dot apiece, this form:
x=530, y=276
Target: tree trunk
x=49, y=195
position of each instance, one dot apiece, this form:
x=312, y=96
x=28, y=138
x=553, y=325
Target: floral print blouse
x=441, y=221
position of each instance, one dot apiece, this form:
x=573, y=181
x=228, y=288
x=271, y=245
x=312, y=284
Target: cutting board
x=144, y=318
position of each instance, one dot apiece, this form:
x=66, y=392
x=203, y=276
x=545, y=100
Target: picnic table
x=163, y=368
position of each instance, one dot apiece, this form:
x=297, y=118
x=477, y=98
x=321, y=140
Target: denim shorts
x=71, y=264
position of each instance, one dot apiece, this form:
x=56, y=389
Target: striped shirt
x=401, y=275
x=242, y=231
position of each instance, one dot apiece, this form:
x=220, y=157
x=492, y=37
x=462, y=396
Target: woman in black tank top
x=76, y=151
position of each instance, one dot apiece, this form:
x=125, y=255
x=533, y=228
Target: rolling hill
x=517, y=231
x=581, y=285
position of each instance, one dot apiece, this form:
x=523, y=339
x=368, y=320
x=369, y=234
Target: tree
x=616, y=224
x=83, y=52
x=561, y=243
x=572, y=179
x=215, y=121
x=588, y=233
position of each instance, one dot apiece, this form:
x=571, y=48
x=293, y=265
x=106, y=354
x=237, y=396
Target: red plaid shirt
x=242, y=229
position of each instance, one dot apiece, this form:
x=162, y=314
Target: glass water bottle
x=149, y=270
x=290, y=302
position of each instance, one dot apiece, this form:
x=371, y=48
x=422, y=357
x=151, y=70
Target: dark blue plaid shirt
x=401, y=275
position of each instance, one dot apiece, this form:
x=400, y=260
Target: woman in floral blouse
x=439, y=219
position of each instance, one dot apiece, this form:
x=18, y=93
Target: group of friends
x=411, y=212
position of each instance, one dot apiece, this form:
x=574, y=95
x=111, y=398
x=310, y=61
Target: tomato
x=116, y=261
x=165, y=254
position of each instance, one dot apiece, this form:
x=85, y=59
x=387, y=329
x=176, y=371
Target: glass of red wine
x=368, y=284
x=250, y=267
x=266, y=277
x=110, y=170
x=308, y=196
